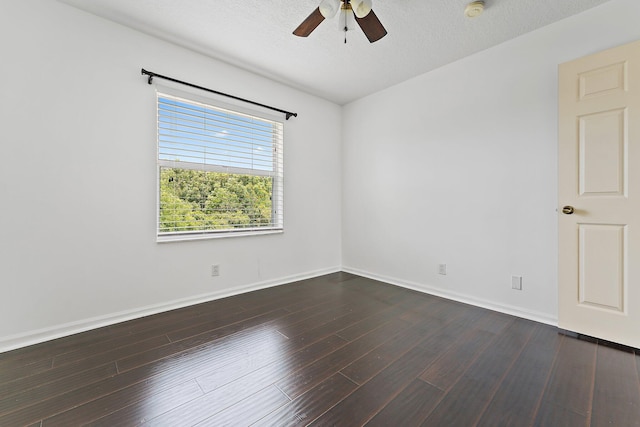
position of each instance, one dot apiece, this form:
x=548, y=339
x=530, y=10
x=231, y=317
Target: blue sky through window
x=195, y=133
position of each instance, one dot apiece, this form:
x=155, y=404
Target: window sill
x=220, y=235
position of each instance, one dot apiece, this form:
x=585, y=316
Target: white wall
x=459, y=166
x=78, y=179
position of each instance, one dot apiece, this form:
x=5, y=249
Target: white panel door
x=599, y=195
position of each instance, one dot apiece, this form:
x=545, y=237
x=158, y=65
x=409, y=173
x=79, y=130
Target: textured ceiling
x=256, y=35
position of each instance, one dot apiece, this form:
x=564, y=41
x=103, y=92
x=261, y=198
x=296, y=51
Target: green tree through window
x=197, y=200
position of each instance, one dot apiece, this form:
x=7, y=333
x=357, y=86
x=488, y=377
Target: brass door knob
x=567, y=210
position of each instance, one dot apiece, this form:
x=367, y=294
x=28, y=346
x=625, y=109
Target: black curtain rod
x=151, y=75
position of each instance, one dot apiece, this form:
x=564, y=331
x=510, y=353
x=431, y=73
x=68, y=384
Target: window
x=219, y=171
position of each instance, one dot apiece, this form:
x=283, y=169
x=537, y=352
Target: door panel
x=602, y=153
x=599, y=176
x=603, y=81
x=601, y=266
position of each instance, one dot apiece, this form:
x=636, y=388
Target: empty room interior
x=320, y=212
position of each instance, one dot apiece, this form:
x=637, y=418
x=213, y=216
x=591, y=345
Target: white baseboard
x=13, y=342
x=467, y=299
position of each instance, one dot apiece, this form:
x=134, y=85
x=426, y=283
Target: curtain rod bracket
x=150, y=74
x=288, y=114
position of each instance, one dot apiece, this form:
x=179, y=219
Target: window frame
x=277, y=192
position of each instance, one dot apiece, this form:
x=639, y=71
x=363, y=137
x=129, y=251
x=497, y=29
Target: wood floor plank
x=494, y=322
x=83, y=365
x=112, y=403
x=364, y=403
x=616, y=399
x=167, y=373
x=412, y=405
x=442, y=314
x=47, y=350
x=448, y=369
x=74, y=342
x=340, y=276
x=13, y=359
x=261, y=403
x=222, y=397
x=148, y=332
x=298, y=293
x=240, y=367
x=12, y=373
x=360, y=284
x=311, y=404
x=360, y=328
x=171, y=318
x=384, y=293
x=337, y=324
x=297, y=383
x=295, y=300
x=298, y=318
x=361, y=405
x=571, y=383
x=467, y=399
x=367, y=366
x=310, y=321
x=372, y=360
x=245, y=365
x=23, y=396
x=252, y=316
x=436, y=308
x=40, y=409
x=304, y=355
x=156, y=404
x=196, y=342
x=299, y=290
x=309, y=332
x=555, y=415
x=519, y=395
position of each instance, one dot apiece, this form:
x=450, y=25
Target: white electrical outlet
x=516, y=282
x=442, y=269
x=215, y=270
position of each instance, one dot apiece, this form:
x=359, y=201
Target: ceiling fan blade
x=371, y=27
x=309, y=24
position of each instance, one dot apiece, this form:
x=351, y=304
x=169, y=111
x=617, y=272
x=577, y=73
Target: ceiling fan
x=361, y=9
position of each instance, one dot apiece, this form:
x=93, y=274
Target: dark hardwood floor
x=334, y=350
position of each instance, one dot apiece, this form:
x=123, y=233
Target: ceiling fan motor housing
x=329, y=8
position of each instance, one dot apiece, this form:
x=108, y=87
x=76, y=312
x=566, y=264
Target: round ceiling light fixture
x=473, y=9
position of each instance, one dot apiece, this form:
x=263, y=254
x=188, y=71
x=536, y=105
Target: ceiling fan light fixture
x=329, y=8
x=474, y=9
x=361, y=8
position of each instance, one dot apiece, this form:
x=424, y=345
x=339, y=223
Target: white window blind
x=220, y=171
